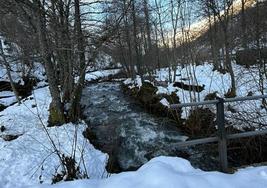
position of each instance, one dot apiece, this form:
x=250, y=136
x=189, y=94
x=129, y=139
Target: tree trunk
x=157, y=49
x=228, y=64
x=212, y=36
x=128, y=41
x=65, y=52
x=148, y=30
x=137, y=53
x=75, y=110
x=56, y=116
x=243, y=23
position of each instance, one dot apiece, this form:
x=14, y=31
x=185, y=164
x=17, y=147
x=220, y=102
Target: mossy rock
x=211, y=96
x=134, y=92
x=149, y=86
x=173, y=113
x=129, y=91
x=124, y=88
x=147, y=94
x=159, y=108
x=172, y=98
x=148, y=98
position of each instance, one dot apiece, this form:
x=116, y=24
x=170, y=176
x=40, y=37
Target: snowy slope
x=30, y=159
x=247, y=82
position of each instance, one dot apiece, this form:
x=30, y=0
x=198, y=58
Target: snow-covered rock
x=91, y=76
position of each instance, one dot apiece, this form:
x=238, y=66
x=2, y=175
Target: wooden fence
x=222, y=137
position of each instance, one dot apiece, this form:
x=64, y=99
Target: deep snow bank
x=168, y=172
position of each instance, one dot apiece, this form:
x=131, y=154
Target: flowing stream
x=123, y=129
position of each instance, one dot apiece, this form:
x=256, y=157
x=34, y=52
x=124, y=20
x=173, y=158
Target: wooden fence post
x=222, y=135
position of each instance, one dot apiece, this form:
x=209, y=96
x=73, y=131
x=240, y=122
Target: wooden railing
x=222, y=137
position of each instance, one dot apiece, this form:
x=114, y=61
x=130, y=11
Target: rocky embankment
x=154, y=102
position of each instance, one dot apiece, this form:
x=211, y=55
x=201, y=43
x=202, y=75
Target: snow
x=173, y=172
x=91, y=76
x=3, y=75
x=204, y=74
x=7, y=98
x=137, y=82
x=30, y=159
x=196, y=75
x=247, y=81
x=6, y=94
x=8, y=101
x=38, y=71
x=162, y=90
x=165, y=102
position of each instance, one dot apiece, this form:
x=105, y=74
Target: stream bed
x=125, y=131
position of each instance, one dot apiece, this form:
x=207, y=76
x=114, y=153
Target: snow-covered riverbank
x=31, y=158
x=215, y=84
x=173, y=172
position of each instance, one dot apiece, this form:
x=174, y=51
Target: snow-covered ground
x=3, y=75
x=95, y=75
x=31, y=159
x=247, y=83
x=8, y=100
x=247, y=80
x=173, y=172
x=8, y=97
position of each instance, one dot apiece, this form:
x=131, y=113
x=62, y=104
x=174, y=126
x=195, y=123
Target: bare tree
x=62, y=46
x=8, y=70
x=222, y=10
x=136, y=44
x=244, y=24
x=164, y=40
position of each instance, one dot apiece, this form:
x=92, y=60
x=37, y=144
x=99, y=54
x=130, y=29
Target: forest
x=126, y=93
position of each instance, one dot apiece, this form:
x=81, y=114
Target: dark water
x=125, y=130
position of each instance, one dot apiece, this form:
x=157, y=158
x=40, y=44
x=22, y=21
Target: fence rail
x=212, y=102
x=221, y=137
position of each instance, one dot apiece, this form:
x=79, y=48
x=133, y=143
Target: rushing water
x=117, y=120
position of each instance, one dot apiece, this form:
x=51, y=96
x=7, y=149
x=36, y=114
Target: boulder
x=147, y=94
